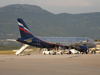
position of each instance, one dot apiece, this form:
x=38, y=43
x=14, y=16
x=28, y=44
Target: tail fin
x=24, y=30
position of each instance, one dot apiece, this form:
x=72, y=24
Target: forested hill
x=44, y=23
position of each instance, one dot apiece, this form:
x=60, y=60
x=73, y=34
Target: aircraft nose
x=94, y=44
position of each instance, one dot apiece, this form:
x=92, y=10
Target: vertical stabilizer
x=24, y=30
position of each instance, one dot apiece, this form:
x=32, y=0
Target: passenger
x=59, y=48
x=39, y=50
x=94, y=51
x=88, y=51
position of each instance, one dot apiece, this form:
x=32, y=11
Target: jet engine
x=82, y=48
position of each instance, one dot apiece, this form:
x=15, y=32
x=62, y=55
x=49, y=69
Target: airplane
x=28, y=39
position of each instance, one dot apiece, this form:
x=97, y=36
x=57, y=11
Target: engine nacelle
x=83, y=48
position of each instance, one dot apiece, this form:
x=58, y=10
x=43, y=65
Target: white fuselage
x=69, y=40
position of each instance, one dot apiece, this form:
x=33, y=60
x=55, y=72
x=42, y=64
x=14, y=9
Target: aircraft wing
x=28, y=40
x=77, y=44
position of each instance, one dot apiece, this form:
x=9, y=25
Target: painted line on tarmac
x=74, y=56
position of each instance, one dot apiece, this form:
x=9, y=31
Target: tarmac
x=38, y=64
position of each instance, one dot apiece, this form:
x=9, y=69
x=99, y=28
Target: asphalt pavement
x=38, y=64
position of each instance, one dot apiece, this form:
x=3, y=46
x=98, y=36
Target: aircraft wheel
x=44, y=53
x=86, y=52
x=77, y=53
x=49, y=53
x=54, y=53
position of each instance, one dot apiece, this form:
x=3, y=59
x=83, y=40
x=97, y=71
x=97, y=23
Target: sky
x=60, y=6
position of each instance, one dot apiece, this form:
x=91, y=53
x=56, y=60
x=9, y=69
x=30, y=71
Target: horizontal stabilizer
x=11, y=39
